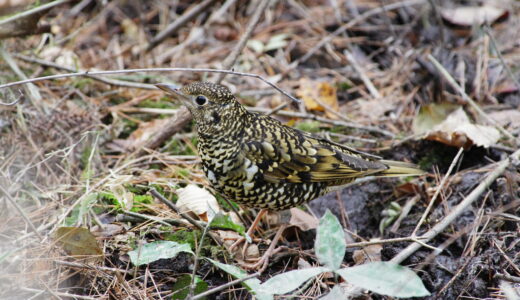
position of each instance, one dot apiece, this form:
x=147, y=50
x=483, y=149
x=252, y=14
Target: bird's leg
x=249, y=232
x=262, y=264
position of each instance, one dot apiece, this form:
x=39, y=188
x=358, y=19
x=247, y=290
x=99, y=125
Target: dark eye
x=201, y=100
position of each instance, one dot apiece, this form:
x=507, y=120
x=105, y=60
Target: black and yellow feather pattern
x=259, y=162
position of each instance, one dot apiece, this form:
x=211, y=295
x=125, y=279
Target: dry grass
x=69, y=142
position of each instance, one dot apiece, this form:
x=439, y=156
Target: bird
x=259, y=162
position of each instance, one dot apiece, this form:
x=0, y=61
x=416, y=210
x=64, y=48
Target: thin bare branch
x=231, y=59
x=459, y=209
x=178, y=23
x=114, y=72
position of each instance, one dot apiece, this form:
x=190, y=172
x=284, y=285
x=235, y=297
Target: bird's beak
x=175, y=92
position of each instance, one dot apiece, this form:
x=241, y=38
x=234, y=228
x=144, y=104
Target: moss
x=441, y=156
x=309, y=126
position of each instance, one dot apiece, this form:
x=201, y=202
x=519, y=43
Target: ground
x=85, y=151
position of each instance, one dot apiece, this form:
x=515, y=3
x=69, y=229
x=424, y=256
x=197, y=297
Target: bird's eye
x=201, y=100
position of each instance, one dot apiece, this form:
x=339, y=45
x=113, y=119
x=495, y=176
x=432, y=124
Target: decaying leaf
x=123, y=196
x=315, y=92
x=139, y=137
x=458, y=131
x=431, y=115
x=303, y=220
x=509, y=118
x=473, y=15
x=77, y=241
x=197, y=200
x=62, y=56
x=367, y=254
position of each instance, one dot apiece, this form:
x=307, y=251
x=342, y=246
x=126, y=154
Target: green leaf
x=221, y=221
x=385, y=278
x=334, y=294
x=156, y=250
x=289, y=281
x=181, y=288
x=330, y=241
x=252, y=285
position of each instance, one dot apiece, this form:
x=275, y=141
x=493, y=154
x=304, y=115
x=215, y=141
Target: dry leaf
x=124, y=197
x=303, y=220
x=61, y=56
x=376, y=108
x=312, y=92
x=510, y=118
x=458, y=131
x=108, y=230
x=431, y=115
x=368, y=254
x=455, y=129
x=197, y=200
x=139, y=137
x=473, y=15
x=77, y=241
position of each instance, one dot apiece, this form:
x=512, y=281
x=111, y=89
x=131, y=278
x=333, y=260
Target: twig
x=389, y=241
x=487, y=30
x=459, y=209
x=356, y=20
x=90, y=267
x=507, y=277
x=276, y=109
x=368, y=83
x=33, y=11
x=224, y=286
x=324, y=120
x=112, y=72
x=438, y=191
x=58, y=294
x=404, y=212
x=22, y=213
x=232, y=57
x=197, y=258
x=114, y=82
x=12, y=103
x=149, y=218
x=31, y=89
x=185, y=18
x=161, y=198
x=470, y=101
x=175, y=123
x=504, y=255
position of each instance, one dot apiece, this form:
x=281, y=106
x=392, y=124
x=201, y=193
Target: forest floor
x=79, y=155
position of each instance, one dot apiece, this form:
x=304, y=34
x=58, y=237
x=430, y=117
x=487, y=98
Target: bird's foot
x=261, y=264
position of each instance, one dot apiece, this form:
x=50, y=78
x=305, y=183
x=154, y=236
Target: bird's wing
x=294, y=156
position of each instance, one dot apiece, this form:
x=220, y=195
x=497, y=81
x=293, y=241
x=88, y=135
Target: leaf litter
x=55, y=171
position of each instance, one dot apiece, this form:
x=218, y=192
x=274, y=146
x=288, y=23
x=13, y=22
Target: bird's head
x=213, y=106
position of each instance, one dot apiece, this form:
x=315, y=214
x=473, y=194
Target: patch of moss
x=343, y=86
x=441, y=156
x=309, y=126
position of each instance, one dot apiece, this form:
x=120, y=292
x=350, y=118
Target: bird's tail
x=399, y=168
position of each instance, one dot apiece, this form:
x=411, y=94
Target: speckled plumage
x=258, y=162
